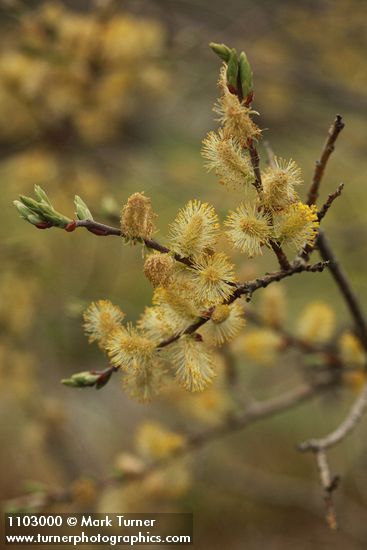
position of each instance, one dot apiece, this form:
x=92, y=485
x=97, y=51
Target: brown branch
x=104, y=230
x=345, y=288
x=305, y=254
x=328, y=148
x=319, y=446
x=329, y=201
x=322, y=243
x=280, y=254
x=247, y=288
x=255, y=161
x=250, y=287
x=253, y=413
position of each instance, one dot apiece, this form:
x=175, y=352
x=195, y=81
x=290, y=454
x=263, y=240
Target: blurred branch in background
x=255, y=412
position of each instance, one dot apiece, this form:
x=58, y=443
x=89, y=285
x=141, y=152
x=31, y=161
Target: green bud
x=34, y=219
x=50, y=215
x=221, y=50
x=245, y=72
x=27, y=214
x=82, y=211
x=81, y=380
x=232, y=69
x=22, y=209
x=41, y=195
x=45, y=211
x=30, y=203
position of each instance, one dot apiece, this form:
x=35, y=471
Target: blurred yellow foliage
x=76, y=72
x=316, y=322
x=154, y=441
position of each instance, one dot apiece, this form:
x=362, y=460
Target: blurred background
x=102, y=100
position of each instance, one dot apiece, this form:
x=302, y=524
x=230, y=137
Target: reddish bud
x=43, y=225
x=70, y=226
x=232, y=89
x=249, y=98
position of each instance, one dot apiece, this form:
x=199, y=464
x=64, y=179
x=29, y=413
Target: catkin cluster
x=194, y=305
x=277, y=213
x=195, y=280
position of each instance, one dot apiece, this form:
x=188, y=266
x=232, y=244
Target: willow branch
x=247, y=289
x=280, y=254
x=329, y=146
x=329, y=201
x=319, y=446
x=345, y=288
x=104, y=230
x=309, y=248
x=322, y=243
x=255, y=161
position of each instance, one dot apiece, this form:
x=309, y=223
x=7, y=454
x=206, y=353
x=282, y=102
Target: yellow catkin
x=208, y=407
x=224, y=155
x=273, y=305
x=137, y=217
x=153, y=441
x=259, y=345
x=297, y=225
x=158, y=269
x=144, y=382
x=170, y=482
x=355, y=380
x=316, y=323
x=211, y=278
x=225, y=323
x=194, y=230
x=279, y=182
x=351, y=350
x=248, y=229
x=100, y=319
x=220, y=313
x=236, y=119
x=194, y=363
x=129, y=349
